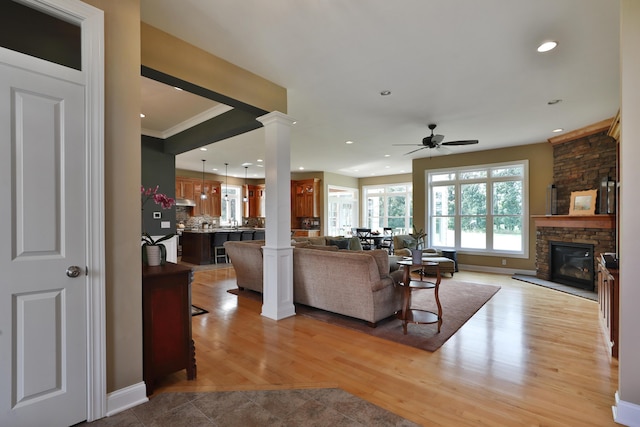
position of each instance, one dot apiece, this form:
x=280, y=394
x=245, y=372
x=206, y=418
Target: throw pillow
x=354, y=244
x=340, y=243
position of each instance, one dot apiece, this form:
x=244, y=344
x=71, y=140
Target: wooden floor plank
x=530, y=356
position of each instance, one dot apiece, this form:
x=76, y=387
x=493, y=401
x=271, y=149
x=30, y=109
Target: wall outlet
x=165, y=224
x=504, y=261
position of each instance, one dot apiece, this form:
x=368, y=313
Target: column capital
x=276, y=117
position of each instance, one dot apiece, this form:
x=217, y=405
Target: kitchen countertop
x=219, y=230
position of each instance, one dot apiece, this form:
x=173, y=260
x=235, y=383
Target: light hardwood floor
x=531, y=356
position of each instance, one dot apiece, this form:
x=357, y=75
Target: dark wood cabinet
x=196, y=247
x=608, y=302
x=166, y=309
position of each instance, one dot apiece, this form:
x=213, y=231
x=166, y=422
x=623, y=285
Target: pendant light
x=226, y=182
x=203, y=195
x=246, y=189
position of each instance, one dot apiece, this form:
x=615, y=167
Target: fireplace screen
x=572, y=264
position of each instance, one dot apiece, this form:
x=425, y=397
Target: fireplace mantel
x=575, y=221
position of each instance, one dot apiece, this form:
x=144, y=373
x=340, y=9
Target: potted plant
x=416, y=251
x=153, y=251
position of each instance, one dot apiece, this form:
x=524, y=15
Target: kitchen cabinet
x=192, y=188
x=255, y=201
x=166, y=323
x=306, y=233
x=306, y=198
x=608, y=302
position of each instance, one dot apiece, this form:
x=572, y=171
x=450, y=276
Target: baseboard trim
x=125, y=398
x=497, y=270
x=626, y=413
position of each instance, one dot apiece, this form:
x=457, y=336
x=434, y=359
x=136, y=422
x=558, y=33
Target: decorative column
x=277, y=253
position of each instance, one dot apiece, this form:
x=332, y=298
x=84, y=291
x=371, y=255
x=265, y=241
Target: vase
x=416, y=256
x=154, y=255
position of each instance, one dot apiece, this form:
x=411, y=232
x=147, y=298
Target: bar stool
x=234, y=236
x=218, y=245
x=247, y=235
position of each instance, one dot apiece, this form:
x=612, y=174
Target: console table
x=166, y=322
x=412, y=315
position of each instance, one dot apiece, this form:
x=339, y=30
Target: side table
x=413, y=315
x=166, y=322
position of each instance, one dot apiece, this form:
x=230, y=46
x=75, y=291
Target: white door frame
x=91, y=22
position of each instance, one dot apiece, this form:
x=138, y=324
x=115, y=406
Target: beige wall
x=170, y=55
x=629, y=360
x=122, y=192
x=540, y=158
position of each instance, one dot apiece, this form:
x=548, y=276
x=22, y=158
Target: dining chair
x=364, y=234
x=387, y=239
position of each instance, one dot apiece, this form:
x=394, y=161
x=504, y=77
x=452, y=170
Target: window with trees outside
x=389, y=206
x=231, y=205
x=480, y=209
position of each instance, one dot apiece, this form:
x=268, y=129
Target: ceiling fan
x=435, y=141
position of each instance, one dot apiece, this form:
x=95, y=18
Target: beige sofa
x=352, y=283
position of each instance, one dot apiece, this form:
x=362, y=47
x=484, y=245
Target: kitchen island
x=197, y=245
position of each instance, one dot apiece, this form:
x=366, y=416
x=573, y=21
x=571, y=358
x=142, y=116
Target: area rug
x=460, y=301
x=195, y=311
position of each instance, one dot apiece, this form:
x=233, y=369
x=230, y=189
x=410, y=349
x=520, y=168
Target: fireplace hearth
x=572, y=264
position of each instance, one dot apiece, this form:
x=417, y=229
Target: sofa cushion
x=340, y=243
x=318, y=240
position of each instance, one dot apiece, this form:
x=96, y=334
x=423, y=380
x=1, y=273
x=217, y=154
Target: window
x=389, y=206
x=343, y=210
x=479, y=209
x=231, y=205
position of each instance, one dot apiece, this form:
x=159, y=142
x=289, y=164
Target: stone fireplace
x=580, y=164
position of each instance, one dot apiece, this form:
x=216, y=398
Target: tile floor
x=306, y=407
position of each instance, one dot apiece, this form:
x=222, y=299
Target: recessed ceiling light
x=142, y=116
x=356, y=170
x=203, y=148
x=177, y=88
x=259, y=160
x=557, y=130
x=387, y=167
x=554, y=101
x=385, y=93
x=301, y=168
x=547, y=46
x=387, y=155
x=348, y=142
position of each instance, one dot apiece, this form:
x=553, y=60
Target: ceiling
x=469, y=66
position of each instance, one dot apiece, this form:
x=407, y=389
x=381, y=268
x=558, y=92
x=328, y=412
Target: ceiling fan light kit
x=435, y=141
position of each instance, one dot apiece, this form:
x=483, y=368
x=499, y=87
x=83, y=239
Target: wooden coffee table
x=413, y=315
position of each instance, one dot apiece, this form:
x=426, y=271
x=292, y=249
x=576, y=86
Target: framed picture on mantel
x=583, y=202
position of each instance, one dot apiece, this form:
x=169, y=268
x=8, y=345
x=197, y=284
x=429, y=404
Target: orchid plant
x=165, y=202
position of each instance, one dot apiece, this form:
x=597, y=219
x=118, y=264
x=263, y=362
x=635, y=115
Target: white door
x=43, y=322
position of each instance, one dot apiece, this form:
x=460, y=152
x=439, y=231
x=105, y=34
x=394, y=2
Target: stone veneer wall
x=578, y=165
x=581, y=164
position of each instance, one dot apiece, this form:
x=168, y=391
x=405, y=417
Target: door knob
x=73, y=271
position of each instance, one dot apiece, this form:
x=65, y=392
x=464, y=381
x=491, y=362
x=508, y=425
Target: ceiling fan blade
x=421, y=148
x=462, y=142
x=407, y=145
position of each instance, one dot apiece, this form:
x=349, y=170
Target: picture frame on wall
x=583, y=202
